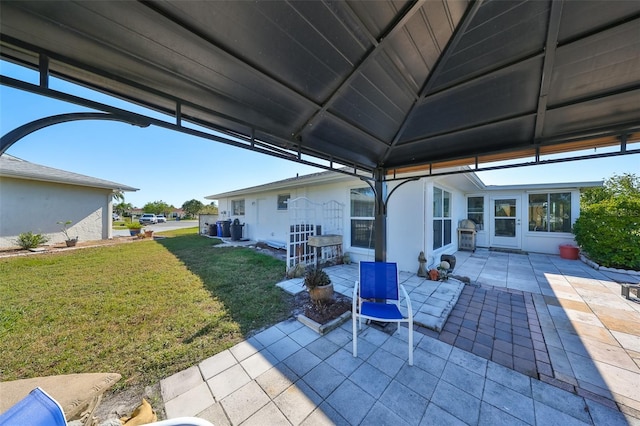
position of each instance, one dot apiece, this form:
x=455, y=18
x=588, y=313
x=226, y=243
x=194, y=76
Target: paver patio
x=586, y=373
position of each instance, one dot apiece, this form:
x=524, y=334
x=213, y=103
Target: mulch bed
x=321, y=313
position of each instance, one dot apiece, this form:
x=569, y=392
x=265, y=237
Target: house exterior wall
x=409, y=218
x=264, y=221
x=409, y=223
x=27, y=205
x=530, y=241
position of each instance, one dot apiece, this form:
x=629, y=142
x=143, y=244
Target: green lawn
x=144, y=309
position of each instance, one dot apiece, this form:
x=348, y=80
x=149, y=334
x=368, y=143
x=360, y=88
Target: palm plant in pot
x=318, y=284
x=134, y=228
x=70, y=242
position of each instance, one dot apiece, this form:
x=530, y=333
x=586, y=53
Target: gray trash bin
x=226, y=228
x=236, y=230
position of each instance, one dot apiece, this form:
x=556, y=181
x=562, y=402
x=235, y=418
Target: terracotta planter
x=148, y=234
x=567, y=251
x=322, y=293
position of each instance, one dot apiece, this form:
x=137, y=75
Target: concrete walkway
x=288, y=374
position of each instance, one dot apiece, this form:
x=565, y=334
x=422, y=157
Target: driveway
x=159, y=227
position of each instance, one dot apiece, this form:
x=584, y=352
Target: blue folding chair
x=40, y=409
x=36, y=409
x=376, y=296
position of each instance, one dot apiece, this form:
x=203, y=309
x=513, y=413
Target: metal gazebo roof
x=384, y=85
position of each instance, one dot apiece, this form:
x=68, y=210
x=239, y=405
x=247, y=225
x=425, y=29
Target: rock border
x=598, y=267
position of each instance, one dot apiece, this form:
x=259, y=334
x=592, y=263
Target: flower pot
x=71, y=243
x=148, y=234
x=134, y=232
x=322, y=293
x=567, y=251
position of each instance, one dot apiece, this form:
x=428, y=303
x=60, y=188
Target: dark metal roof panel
x=392, y=83
x=499, y=33
x=621, y=110
x=515, y=133
x=494, y=97
x=377, y=100
x=308, y=46
x=581, y=18
x=613, y=64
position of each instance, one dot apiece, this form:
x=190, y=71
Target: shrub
x=134, y=225
x=28, y=240
x=609, y=232
x=315, y=277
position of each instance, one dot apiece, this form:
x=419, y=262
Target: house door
x=505, y=222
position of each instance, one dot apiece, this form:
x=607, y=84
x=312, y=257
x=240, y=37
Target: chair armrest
x=354, y=297
x=406, y=297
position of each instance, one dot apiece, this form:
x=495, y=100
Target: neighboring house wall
x=28, y=205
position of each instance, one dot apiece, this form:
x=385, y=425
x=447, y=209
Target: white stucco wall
x=409, y=218
x=263, y=221
x=27, y=205
x=530, y=241
x=409, y=223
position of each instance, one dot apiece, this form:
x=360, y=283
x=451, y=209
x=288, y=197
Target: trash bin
x=213, y=230
x=226, y=228
x=219, y=226
x=236, y=230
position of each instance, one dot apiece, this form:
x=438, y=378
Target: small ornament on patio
x=443, y=270
x=422, y=271
x=434, y=274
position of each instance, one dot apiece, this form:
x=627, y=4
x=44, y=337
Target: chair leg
x=355, y=336
x=410, y=330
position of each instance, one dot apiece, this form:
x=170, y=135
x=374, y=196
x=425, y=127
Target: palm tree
x=118, y=196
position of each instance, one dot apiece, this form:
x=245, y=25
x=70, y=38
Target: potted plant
x=71, y=242
x=318, y=284
x=134, y=228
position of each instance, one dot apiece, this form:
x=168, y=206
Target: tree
x=118, y=196
x=608, y=229
x=192, y=207
x=158, y=207
x=616, y=186
x=209, y=209
x=122, y=208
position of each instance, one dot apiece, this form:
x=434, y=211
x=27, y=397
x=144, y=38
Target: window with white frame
x=237, y=207
x=475, y=211
x=362, y=217
x=282, y=201
x=441, y=218
x=550, y=212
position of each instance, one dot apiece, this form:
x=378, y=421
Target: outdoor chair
x=38, y=408
x=376, y=297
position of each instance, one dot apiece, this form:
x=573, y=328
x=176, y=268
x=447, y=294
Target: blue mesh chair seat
x=376, y=296
x=38, y=408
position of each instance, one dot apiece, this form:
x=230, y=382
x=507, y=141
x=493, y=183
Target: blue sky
x=173, y=167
